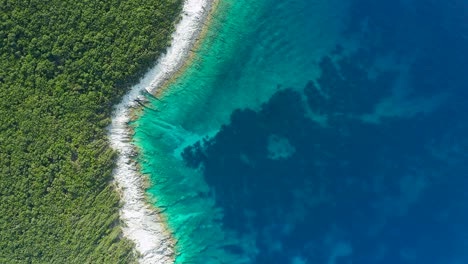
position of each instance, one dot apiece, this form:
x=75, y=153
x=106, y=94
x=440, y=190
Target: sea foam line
x=142, y=224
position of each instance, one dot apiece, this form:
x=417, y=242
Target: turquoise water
x=315, y=132
x=245, y=46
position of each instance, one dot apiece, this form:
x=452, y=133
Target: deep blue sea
x=318, y=132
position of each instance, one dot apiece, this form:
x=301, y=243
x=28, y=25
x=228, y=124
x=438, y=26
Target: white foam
x=142, y=225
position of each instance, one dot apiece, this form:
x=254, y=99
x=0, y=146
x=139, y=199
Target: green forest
x=63, y=65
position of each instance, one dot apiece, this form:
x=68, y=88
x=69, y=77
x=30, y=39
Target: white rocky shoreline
x=142, y=224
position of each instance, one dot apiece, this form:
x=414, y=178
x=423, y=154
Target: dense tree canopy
x=63, y=64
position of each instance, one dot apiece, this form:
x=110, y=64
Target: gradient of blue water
x=359, y=155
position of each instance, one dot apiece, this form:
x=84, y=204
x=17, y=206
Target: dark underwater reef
x=364, y=164
x=381, y=191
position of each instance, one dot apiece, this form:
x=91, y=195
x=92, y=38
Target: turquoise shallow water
x=244, y=47
x=316, y=132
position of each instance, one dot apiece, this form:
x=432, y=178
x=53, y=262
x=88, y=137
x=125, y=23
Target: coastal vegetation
x=63, y=65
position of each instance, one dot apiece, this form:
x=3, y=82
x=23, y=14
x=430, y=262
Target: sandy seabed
x=142, y=224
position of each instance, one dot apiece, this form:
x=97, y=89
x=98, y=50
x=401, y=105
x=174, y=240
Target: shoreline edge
x=141, y=223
